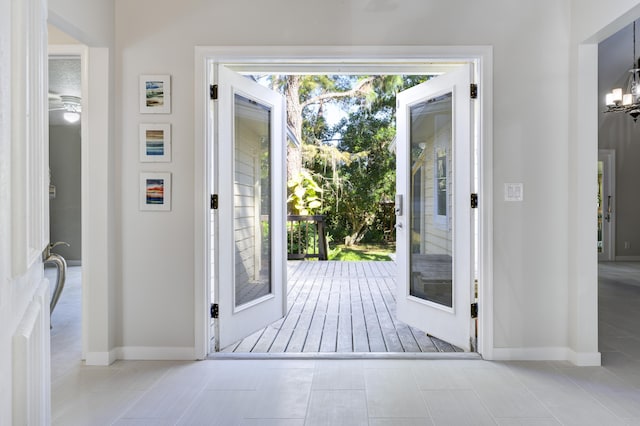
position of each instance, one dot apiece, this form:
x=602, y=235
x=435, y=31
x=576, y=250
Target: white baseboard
x=156, y=353
x=547, y=354
x=585, y=359
x=140, y=353
x=627, y=258
x=101, y=358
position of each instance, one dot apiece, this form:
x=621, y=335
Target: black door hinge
x=474, y=201
x=214, y=201
x=214, y=310
x=474, y=91
x=474, y=310
x=213, y=91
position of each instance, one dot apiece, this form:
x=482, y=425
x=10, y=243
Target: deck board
x=340, y=307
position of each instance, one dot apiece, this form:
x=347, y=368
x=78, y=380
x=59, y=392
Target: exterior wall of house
x=531, y=43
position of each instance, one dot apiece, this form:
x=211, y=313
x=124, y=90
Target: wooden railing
x=306, y=237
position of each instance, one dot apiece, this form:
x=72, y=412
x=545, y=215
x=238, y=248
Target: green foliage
x=350, y=169
x=358, y=172
x=304, y=194
x=360, y=253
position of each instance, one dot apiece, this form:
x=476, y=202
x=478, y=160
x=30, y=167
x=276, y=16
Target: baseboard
x=149, y=353
x=101, y=358
x=585, y=359
x=627, y=258
x=531, y=354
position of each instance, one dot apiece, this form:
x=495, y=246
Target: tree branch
x=360, y=87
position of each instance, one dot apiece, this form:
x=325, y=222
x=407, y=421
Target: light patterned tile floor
x=354, y=392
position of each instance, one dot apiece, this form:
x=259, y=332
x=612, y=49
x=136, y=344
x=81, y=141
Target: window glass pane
x=252, y=200
x=431, y=200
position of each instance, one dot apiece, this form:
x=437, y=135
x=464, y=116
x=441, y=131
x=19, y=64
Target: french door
x=435, y=223
x=249, y=179
x=606, y=204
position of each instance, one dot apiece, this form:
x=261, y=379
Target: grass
x=378, y=252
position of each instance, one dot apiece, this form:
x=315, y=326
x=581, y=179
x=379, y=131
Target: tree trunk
x=294, y=123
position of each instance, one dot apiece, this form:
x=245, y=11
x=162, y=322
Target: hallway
x=363, y=391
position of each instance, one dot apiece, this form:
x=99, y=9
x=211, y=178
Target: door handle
x=398, y=205
x=608, y=216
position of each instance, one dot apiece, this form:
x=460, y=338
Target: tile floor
x=360, y=391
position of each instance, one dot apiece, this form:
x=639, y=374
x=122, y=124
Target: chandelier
x=629, y=101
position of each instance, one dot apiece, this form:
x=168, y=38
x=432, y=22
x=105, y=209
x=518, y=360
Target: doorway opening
x=70, y=234
x=341, y=189
x=417, y=111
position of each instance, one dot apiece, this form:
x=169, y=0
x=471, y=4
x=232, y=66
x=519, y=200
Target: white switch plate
x=513, y=192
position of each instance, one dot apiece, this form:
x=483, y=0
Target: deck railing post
x=311, y=243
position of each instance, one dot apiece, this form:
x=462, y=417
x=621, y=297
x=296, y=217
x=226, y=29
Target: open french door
x=249, y=278
x=434, y=223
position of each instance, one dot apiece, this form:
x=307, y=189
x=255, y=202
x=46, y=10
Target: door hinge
x=474, y=310
x=214, y=201
x=214, y=311
x=474, y=201
x=213, y=91
x=474, y=91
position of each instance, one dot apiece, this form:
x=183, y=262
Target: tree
x=351, y=161
x=305, y=99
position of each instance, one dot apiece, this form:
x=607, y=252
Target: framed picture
x=155, y=142
x=155, y=191
x=155, y=94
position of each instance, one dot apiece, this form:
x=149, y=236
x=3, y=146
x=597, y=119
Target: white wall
x=91, y=25
x=531, y=74
x=89, y=21
x=618, y=131
x=591, y=22
x=64, y=209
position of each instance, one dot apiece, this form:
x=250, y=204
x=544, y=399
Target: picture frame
x=155, y=94
x=155, y=142
x=155, y=191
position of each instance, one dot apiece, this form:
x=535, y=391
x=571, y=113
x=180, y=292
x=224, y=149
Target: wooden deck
x=340, y=307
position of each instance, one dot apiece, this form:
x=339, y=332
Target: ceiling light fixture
x=629, y=101
x=71, y=117
x=71, y=105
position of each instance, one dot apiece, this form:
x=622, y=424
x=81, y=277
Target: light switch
x=513, y=192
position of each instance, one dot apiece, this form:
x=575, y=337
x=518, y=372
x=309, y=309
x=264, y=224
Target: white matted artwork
x=155, y=94
x=155, y=142
x=155, y=191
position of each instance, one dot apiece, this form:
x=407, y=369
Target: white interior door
x=250, y=283
x=606, y=204
x=434, y=235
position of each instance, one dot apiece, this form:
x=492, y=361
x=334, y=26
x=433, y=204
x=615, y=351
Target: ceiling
x=64, y=79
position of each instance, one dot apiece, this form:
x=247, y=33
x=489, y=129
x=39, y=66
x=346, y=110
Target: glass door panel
x=434, y=218
x=430, y=141
x=252, y=200
x=250, y=283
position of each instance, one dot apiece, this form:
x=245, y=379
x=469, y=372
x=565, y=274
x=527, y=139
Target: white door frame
x=82, y=52
x=608, y=188
x=94, y=127
x=333, y=59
